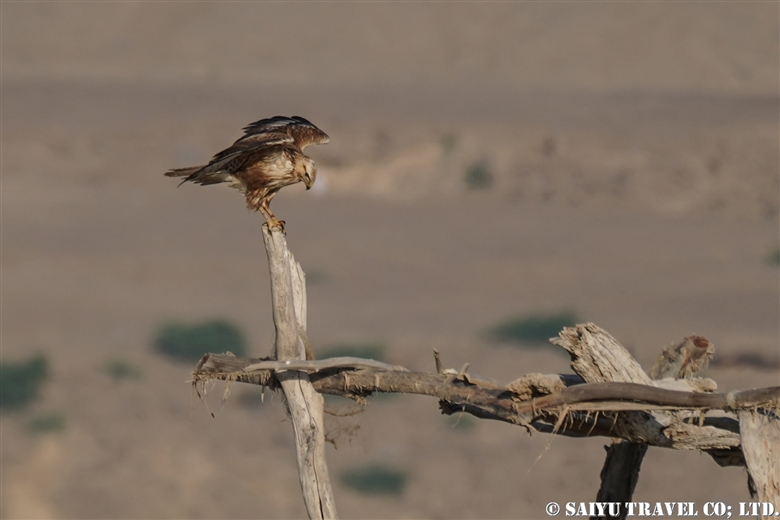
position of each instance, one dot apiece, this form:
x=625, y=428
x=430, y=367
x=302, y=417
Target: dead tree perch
x=609, y=396
x=305, y=405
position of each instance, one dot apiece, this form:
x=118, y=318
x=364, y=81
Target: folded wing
x=302, y=131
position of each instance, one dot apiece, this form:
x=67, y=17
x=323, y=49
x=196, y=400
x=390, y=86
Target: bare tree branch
x=608, y=396
x=490, y=401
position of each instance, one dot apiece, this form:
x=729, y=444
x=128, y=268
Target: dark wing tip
x=268, y=124
x=302, y=121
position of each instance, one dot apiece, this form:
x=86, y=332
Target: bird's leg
x=271, y=220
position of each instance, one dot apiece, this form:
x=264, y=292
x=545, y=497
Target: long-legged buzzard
x=266, y=159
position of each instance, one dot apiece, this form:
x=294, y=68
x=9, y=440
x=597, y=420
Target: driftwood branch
x=499, y=402
x=609, y=396
x=538, y=401
x=305, y=405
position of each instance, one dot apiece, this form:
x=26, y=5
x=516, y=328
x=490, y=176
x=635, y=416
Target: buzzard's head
x=309, y=174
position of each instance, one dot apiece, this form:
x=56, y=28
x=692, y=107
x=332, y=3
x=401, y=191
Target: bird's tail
x=199, y=175
x=183, y=172
x=189, y=174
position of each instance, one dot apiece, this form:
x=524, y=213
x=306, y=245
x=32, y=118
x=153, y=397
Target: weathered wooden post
x=759, y=432
x=305, y=405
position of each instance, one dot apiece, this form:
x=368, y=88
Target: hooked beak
x=308, y=182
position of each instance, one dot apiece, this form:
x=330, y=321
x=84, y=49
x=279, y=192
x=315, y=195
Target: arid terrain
x=633, y=157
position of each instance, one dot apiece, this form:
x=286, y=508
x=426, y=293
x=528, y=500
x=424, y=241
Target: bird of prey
x=268, y=157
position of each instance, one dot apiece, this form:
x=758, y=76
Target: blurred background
x=496, y=171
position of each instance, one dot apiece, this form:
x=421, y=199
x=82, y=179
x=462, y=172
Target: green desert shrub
x=121, y=369
x=479, y=176
x=374, y=351
x=185, y=342
x=375, y=480
x=448, y=143
x=49, y=423
x=773, y=257
x=532, y=329
x=20, y=382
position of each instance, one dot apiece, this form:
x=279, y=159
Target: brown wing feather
x=222, y=170
x=271, y=124
x=302, y=131
x=304, y=135
x=238, y=157
x=252, y=142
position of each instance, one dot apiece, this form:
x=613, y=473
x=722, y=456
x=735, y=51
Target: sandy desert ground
x=634, y=150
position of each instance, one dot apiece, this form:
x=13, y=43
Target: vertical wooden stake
x=620, y=474
x=759, y=432
x=305, y=405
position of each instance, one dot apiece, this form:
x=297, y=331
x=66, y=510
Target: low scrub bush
x=532, y=329
x=189, y=342
x=20, y=382
x=448, y=143
x=49, y=423
x=479, y=176
x=121, y=369
x=773, y=257
x=375, y=480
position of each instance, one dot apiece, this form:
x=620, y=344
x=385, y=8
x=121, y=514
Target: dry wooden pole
x=305, y=405
x=620, y=474
x=759, y=432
